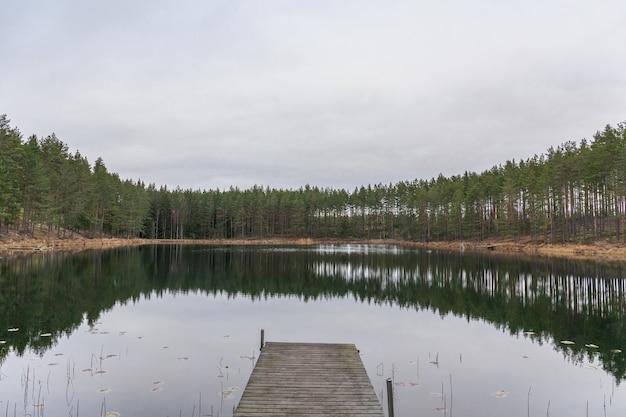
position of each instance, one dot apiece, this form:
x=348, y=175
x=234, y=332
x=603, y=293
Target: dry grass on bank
x=12, y=244
x=598, y=251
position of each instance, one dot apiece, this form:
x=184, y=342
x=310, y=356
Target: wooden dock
x=309, y=379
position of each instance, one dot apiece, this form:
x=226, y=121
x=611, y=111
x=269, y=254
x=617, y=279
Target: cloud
x=334, y=94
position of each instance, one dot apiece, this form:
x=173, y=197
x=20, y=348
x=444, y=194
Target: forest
x=575, y=192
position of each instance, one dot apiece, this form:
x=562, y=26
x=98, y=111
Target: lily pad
x=568, y=342
x=500, y=394
x=591, y=346
x=229, y=393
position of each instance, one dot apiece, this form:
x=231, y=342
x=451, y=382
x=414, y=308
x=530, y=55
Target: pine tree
x=10, y=172
x=34, y=186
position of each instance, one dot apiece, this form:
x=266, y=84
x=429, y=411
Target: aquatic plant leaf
x=45, y=335
x=592, y=346
x=228, y=395
x=500, y=394
x=568, y=342
x=104, y=390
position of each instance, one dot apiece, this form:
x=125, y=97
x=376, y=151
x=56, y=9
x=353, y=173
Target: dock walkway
x=308, y=379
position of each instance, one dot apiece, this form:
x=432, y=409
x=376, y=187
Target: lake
x=175, y=330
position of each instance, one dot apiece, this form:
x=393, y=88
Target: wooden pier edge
x=308, y=379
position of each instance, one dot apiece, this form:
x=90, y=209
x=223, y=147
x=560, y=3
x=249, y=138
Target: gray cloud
x=333, y=94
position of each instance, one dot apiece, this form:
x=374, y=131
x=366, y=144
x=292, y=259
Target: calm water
x=174, y=330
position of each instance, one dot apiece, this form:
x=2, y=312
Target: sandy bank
x=600, y=251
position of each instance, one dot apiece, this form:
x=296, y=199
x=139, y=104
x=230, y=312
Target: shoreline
x=599, y=251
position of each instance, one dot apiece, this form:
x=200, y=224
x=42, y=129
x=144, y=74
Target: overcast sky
x=206, y=94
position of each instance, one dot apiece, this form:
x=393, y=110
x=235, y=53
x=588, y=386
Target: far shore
x=11, y=246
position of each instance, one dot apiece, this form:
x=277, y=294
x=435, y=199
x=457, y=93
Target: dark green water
x=173, y=330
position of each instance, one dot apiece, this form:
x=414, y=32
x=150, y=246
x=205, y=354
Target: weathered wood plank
x=308, y=379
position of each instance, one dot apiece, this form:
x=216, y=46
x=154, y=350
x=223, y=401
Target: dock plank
x=308, y=379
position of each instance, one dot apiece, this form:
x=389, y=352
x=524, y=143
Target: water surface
x=174, y=330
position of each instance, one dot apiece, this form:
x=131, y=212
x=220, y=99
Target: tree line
x=575, y=192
